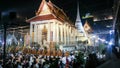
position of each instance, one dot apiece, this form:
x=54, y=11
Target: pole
x=4, y=47
x=116, y=12
x=94, y=45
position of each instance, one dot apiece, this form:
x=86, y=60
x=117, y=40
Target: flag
x=87, y=27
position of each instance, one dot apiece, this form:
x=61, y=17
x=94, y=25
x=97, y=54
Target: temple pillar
x=66, y=29
x=70, y=35
x=57, y=31
x=53, y=31
x=31, y=31
x=48, y=35
x=64, y=34
x=67, y=36
x=61, y=33
x=39, y=35
x=55, y=28
x=74, y=36
x=35, y=33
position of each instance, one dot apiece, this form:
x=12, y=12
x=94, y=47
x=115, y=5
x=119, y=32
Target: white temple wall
x=57, y=31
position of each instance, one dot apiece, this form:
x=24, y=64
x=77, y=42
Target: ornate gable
x=47, y=11
x=43, y=9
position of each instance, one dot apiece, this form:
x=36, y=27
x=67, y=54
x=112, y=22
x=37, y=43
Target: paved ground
x=113, y=63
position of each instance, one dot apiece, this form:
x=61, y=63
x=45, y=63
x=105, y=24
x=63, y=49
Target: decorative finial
x=49, y=0
x=43, y=0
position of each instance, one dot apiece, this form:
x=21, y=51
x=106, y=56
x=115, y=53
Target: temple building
x=51, y=24
x=82, y=36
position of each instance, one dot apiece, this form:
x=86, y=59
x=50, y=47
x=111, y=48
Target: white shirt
x=64, y=60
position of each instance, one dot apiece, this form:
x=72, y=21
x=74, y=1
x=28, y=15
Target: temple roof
x=53, y=12
x=39, y=18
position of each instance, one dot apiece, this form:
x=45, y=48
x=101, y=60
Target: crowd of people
x=46, y=59
x=20, y=60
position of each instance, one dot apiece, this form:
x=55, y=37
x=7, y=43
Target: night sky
x=27, y=8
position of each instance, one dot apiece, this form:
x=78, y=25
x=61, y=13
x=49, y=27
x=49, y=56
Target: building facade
x=51, y=24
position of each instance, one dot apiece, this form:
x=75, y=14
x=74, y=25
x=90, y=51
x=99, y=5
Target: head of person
x=67, y=54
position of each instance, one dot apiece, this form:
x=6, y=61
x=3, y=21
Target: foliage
x=101, y=47
x=80, y=58
x=45, y=47
x=56, y=47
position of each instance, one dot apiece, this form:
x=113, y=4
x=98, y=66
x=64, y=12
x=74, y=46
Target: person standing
x=66, y=60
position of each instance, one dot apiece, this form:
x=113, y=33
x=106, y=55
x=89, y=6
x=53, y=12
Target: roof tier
x=55, y=13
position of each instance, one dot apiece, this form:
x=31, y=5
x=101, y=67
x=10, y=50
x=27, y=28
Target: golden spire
x=49, y=0
x=43, y=0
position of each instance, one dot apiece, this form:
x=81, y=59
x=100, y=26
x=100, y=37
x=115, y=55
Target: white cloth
x=19, y=66
x=1, y=66
x=31, y=59
x=64, y=60
x=72, y=57
x=36, y=66
x=42, y=61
